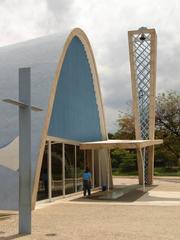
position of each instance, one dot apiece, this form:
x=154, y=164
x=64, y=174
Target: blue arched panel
x=75, y=113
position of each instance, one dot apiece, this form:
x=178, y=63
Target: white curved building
x=65, y=85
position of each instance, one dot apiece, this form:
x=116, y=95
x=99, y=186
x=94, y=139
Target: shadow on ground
x=120, y=193
x=14, y=236
x=128, y=194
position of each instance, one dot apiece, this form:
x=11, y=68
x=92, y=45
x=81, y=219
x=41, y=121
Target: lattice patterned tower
x=142, y=52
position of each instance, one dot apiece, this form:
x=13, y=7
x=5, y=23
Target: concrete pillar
x=49, y=172
x=75, y=169
x=63, y=168
x=92, y=168
x=25, y=152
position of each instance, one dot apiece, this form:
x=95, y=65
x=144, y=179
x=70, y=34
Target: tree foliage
x=167, y=128
x=126, y=128
x=124, y=160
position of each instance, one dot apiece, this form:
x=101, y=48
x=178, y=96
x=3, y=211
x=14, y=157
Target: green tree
x=168, y=127
x=126, y=129
x=124, y=160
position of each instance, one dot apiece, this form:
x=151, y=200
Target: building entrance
x=62, y=169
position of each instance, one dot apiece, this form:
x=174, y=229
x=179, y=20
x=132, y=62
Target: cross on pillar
x=25, y=108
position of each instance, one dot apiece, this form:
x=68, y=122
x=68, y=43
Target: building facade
x=65, y=85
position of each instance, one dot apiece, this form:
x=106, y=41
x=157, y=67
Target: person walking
x=87, y=182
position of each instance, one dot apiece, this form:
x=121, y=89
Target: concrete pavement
x=154, y=215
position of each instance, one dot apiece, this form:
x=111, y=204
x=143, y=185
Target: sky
x=106, y=23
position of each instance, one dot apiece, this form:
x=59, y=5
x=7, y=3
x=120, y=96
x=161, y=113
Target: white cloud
x=19, y=20
x=106, y=24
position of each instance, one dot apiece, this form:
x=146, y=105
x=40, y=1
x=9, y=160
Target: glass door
x=69, y=168
x=79, y=168
x=57, y=181
x=43, y=180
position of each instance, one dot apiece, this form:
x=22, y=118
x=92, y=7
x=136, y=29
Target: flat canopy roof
x=123, y=144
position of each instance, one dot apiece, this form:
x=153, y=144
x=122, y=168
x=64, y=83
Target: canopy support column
x=75, y=150
x=49, y=172
x=92, y=168
x=142, y=155
x=63, y=167
x=100, y=184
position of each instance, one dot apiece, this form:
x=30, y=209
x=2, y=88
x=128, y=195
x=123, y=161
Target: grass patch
x=174, y=172
x=117, y=173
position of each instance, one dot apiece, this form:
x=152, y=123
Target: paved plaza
x=125, y=213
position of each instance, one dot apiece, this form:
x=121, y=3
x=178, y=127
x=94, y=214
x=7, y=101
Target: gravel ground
x=68, y=221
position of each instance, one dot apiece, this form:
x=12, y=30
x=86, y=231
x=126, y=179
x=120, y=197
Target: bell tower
x=143, y=54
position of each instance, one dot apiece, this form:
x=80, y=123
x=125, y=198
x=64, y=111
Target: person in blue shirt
x=87, y=182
